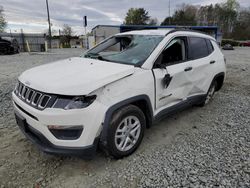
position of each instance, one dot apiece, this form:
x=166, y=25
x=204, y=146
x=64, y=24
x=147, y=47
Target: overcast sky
x=31, y=15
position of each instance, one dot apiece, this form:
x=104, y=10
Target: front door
x=171, y=78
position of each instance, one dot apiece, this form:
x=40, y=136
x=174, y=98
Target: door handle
x=212, y=62
x=188, y=69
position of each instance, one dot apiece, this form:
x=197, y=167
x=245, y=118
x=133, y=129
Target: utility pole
x=169, y=13
x=49, y=24
x=85, y=23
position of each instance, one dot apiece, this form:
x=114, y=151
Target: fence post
x=23, y=41
x=28, y=46
x=46, y=46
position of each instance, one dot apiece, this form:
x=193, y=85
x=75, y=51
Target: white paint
x=75, y=76
x=112, y=83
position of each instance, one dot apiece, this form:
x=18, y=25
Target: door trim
x=178, y=107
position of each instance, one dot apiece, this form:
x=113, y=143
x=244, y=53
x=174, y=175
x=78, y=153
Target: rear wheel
x=210, y=93
x=126, y=131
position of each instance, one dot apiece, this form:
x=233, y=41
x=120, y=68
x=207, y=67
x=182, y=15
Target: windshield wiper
x=95, y=56
x=91, y=55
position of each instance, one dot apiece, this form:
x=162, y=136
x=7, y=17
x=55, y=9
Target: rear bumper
x=45, y=145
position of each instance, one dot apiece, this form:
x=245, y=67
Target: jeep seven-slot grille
x=32, y=97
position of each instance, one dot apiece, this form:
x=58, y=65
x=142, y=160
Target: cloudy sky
x=31, y=15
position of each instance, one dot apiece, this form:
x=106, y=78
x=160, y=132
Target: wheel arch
x=219, y=78
x=141, y=101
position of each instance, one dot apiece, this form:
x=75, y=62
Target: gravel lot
x=198, y=147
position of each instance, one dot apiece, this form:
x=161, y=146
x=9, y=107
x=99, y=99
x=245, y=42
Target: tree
x=186, y=15
x=3, y=23
x=167, y=21
x=241, y=30
x=137, y=16
x=153, y=21
x=206, y=15
x=230, y=12
x=66, y=35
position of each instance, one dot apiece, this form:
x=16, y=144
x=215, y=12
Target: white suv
x=115, y=90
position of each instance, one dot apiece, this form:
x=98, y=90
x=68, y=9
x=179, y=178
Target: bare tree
x=3, y=23
x=67, y=32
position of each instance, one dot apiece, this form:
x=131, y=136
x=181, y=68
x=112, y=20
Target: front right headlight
x=68, y=103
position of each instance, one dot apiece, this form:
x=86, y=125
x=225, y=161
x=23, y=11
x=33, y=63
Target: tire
x=210, y=93
x=123, y=140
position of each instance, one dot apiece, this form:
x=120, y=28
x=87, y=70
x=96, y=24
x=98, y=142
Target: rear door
x=202, y=64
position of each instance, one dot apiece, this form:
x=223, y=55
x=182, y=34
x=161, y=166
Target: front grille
x=32, y=97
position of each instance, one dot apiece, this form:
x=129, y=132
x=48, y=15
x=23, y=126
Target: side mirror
x=159, y=64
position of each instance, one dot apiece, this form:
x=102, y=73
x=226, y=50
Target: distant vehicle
x=228, y=47
x=8, y=45
x=245, y=44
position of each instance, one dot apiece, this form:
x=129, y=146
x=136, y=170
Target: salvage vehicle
x=227, y=47
x=109, y=95
x=8, y=45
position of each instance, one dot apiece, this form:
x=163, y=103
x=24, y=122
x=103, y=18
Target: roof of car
x=7, y=38
x=164, y=32
x=147, y=32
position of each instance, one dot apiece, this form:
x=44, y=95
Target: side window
x=174, y=52
x=197, y=48
x=209, y=46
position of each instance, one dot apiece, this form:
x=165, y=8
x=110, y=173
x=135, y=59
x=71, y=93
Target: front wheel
x=126, y=131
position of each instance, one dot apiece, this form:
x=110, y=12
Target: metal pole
x=86, y=38
x=49, y=23
x=169, y=13
x=23, y=40
x=85, y=31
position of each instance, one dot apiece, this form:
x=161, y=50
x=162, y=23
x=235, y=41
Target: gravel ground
x=198, y=147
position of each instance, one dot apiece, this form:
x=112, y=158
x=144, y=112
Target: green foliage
x=3, y=23
x=232, y=21
x=229, y=41
x=186, y=15
x=137, y=16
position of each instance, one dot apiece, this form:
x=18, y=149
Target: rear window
x=197, y=48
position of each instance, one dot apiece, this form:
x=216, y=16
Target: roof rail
x=185, y=29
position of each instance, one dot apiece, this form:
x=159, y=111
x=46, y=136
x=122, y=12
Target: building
x=100, y=32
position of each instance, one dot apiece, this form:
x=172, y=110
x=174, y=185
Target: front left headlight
x=78, y=102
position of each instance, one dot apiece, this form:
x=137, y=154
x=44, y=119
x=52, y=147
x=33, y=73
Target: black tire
x=5, y=51
x=117, y=119
x=210, y=93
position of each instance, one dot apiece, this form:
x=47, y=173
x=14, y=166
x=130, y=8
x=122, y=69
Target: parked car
x=228, y=47
x=115, y=90
x=246, y=44
x=8, y=45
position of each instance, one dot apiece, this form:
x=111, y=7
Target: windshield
x=126, y=49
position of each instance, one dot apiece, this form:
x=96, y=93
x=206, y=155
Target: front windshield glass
x=126, y=49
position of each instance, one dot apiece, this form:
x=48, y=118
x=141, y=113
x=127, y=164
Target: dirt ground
x=198, y=147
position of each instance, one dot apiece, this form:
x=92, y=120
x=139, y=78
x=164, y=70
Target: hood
x=74, y=76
